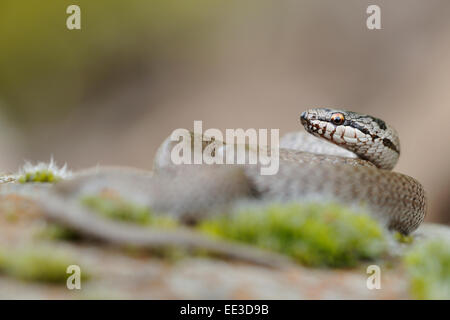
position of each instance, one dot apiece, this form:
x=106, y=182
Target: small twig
x=72, y=215
x=84, y=222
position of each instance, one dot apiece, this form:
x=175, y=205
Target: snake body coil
x=397, y=198
x=352, y=167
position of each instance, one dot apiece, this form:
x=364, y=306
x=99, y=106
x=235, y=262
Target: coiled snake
x=398, y=199
x=354, y=169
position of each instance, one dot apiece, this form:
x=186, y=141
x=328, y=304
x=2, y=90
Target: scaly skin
x=398, y=200
x=191, y=192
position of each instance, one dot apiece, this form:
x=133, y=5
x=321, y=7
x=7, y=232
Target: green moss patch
x=37, y=264
x=42, y=173
x=112, y=206
x=53, y=231
x=39, y=176
x=428, y=267
x=402, y=238
x=313, y=234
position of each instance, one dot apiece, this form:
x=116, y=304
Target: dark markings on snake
x=359, y=127
x=388, y=143
x=380, y=123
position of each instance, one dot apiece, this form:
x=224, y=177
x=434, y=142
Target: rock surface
x=128, y=274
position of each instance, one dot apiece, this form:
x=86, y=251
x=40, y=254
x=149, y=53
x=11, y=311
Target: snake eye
x=337, y=118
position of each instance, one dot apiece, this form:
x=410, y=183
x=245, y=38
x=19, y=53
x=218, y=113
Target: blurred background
x=138, y=69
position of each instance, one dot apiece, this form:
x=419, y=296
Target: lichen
x=428, y=268
x=313, y=234
x=42, y=173
x=37, y=264
x=112, y=206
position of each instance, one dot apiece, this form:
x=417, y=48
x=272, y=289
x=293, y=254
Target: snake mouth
x=304, y=119
x=303, y=116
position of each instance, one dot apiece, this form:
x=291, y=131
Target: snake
x=343, y=157
x=399, y=200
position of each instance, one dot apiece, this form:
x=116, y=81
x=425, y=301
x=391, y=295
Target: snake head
x=368, y=137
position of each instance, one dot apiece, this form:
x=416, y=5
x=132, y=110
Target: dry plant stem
x=73, y=216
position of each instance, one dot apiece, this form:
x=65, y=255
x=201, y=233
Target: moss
x=428, y=268
x=313, y=234
x=54, y=231
x=42, y=172
x=114, y=207
x=38, y=176
x=37, y=264
x=402, y=238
